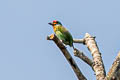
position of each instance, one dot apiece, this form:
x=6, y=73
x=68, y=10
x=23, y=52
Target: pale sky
x=25, y=54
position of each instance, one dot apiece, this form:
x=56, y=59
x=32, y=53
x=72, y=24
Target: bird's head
x=54, y=23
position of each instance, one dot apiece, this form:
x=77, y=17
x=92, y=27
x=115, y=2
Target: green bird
x=62, y=33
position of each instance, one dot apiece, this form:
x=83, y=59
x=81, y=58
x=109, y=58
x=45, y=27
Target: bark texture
x=114, y=72
x=82, y=56
x=67, y=55
x=98, y=65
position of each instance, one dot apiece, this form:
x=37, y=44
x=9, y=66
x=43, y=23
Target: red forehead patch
x=55, y=21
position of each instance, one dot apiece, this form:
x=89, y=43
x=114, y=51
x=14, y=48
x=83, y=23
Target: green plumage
x=64, y=35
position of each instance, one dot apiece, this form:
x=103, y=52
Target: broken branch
x=82, y=56
x=112, y=74
x=67, y=55
x=98, y=65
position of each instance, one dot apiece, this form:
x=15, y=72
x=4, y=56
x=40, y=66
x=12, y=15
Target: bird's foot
x=61, y=41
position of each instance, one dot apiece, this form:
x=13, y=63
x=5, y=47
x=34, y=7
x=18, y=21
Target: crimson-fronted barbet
x=62, y=33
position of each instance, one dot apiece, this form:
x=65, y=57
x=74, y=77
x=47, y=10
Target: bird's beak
x=50, y=23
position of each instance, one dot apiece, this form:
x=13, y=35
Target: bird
x=62, y=33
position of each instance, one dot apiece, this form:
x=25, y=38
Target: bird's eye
x=54, y=23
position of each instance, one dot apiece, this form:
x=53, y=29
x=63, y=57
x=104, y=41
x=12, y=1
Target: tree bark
x=98, y=65
x=114, y=72
x=67, y=55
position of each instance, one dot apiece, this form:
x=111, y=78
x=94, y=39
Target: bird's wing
x=60, y=35
x=67, y=35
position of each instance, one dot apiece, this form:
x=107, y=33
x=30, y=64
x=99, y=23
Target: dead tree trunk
x=96, y=63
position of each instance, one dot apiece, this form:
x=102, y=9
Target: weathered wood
x=67, y=55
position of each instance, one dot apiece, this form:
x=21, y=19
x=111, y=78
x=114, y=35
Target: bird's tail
x=73, y=47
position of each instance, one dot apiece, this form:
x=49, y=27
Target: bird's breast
x=54, y=28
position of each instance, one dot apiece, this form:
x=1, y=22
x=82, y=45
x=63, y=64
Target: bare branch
x=67, y=55
x=115, y=69
x=82, y=56
x=117, y=74
x=98, y=65
x=79, y=41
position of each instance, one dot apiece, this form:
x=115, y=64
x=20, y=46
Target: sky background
x=25, y=54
